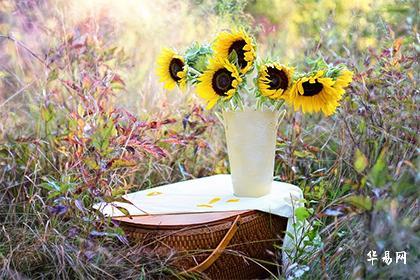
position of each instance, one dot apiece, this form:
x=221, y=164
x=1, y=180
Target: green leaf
x=52, y=75
x=317, y=64
x=119, y=231
x=197, y=56
x=123, y=200
x=233, y=58
x=118, y=192
x=101, y=138
x=378, y=175
x=47, y=113
x=362, y=126
x=303, y=154
x=53, y=194
x=291, y=235
x=360, y=201
x=47, y=186
x=405, y=185
x=4, y=153
x=301, y=213
x=360, y=161
x=51, y=185
x=124, y=211
x=91, y=163
x=120, y=163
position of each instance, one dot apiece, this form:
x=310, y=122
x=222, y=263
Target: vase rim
x=250, y=110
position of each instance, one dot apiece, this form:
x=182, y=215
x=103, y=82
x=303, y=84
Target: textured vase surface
x=251, y=142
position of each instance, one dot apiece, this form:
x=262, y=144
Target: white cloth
x=184, y=197
x=208, y=194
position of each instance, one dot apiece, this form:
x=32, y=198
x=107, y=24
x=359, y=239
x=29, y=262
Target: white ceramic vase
x=251, y=143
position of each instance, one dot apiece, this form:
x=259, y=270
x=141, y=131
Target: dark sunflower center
x=222, y=82
x=175, y=66
x=278, y=79
x=238, y=47
x=312, y=89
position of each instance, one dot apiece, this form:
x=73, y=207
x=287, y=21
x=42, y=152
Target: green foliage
x=301, y=214
x=360, y=161
x=359, y=201
x=378, y=175
x=197, y=56
x=233, y=58
x=233, y=10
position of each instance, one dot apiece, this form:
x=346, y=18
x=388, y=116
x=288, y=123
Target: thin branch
x=37, y=57
x=21, y=44
x=16, y=93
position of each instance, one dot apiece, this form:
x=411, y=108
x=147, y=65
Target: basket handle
x=219, y=249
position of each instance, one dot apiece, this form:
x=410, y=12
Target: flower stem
x=279, y=104
x=194, y=71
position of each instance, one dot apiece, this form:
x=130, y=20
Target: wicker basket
x=221, y=245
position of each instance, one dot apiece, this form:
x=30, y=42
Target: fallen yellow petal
x=214, y=200
x=233, y=200
x=153, y=193
x=205, y=205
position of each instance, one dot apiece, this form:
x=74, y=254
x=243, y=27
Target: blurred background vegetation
x=84, y=119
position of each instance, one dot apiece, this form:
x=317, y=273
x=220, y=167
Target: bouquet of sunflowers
x=251, y=93
x=228, y=74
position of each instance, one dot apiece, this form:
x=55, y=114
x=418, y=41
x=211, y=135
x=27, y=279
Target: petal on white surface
x=183, y=197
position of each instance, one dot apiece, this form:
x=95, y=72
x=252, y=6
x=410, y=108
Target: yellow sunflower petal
x=153, y=193
x=214, y=200
x=165, y=62
x=275, y=80
x=315, y=93
x=344, y=78
x=239, y=41
x=211, y=92
x=204, y=205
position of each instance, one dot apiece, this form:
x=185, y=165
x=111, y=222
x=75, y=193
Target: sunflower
x=172, y=69
x=220, y=80
x=343, y=80
x=274, y=80
x=241, y=43
x=314, y=93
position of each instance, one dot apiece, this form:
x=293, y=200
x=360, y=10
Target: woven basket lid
x=181, y=220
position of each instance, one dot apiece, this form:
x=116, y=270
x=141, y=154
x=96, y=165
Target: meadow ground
x=83, y=119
